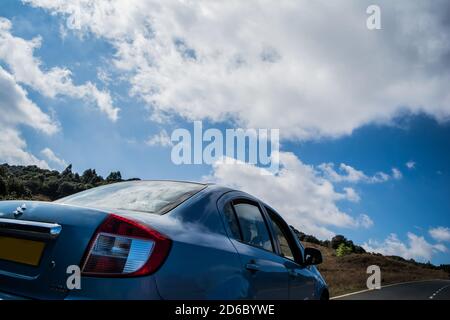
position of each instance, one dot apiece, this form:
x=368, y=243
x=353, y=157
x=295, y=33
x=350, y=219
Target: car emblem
x=20, y=210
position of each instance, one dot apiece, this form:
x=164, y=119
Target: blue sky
x=342, y=97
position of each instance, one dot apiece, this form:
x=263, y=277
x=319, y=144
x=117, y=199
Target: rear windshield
x=155, y=197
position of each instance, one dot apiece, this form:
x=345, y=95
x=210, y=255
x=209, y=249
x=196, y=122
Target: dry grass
x=348, y=274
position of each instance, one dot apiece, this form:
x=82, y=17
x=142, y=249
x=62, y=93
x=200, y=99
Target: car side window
x=252, y=225
x=231, y=218
x=283, y=239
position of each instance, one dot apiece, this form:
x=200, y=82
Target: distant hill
x=344, y=266
x=347, y=273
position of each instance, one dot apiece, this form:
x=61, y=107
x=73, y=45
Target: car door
x=264, y=270
x=302, y=281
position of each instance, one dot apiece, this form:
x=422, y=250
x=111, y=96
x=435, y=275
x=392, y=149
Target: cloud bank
x=18, y=54
x=298, y=191
x=253, y=61
x=416, y=248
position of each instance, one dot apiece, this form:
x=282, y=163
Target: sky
x=363, y=115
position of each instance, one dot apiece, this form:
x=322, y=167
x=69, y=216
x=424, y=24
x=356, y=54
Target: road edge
x=388, y=285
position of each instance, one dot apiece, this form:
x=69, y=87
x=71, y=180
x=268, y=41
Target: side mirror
x=312, y=256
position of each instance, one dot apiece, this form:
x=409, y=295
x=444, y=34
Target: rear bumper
x=140, y=288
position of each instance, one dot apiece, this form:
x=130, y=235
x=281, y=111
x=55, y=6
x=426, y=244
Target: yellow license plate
x=21, y=250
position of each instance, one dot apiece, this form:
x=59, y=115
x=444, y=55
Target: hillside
x=348, y=273
x=344, y=266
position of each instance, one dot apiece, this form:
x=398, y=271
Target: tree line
x=34, y=183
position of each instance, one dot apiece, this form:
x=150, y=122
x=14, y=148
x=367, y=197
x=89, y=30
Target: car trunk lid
x=38, y=242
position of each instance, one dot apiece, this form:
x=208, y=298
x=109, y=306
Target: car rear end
x=33, y=260
x=42, y=244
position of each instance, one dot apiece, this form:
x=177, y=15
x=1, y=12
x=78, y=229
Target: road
x=419, y=290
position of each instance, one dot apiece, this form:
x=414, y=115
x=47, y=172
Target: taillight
x=125, y=248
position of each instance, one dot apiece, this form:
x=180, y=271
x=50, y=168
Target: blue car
x=153, y=240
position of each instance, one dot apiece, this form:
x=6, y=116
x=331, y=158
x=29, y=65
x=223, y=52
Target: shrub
x=17, y=187
x=337, y=240
x=3, y=187
x=66, y=189
x=343, y=250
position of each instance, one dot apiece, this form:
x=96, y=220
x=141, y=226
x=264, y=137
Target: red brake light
x=125, y=248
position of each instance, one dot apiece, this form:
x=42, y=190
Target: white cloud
x=16, y=109
x=304, y=198
x=312, y=76
x=103, y=75
x=52, y=157
x=396, y=174
x=160, y=139
x=416, y=248
x=440, y=233
x=410, y=164
x=347, y=173
x=13, y=150
x=351, y=194
x=365, y=221
x=18, y=54
x=379, y=177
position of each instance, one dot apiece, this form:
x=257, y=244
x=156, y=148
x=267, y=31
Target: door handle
x=253, y=267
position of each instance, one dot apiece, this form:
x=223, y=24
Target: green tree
x=3, y=187
x=343, y=250
x=34, y=184
x=3, y=170
x=337, y=240
x=66, y=188
x=114, y=176
x=17, y=187
x=67, y=171
x=50, y=187
x=90, y=177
